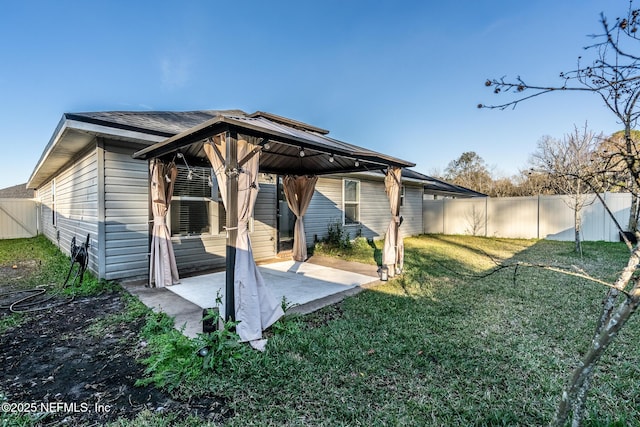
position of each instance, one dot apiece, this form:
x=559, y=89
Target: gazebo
x=238, y=147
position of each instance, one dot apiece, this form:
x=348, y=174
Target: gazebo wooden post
x=232, y=221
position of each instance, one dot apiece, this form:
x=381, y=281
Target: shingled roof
x=19, y=191
x=76, y=131
x=161, y=123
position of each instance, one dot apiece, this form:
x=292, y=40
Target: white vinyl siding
x=70, y=207
x=326, y=207
x=411, y=211
x=126, y=215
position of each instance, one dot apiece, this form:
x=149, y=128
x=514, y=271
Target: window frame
x=213, y=201
x=356, y=203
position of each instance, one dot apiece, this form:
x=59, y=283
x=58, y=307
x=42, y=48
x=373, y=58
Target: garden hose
x=26, y=304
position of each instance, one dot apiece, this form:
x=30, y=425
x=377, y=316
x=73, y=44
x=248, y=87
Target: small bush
x=337, y=236
x=338, y=243
x=175, y=359
x=220, y=349
x=289, y=324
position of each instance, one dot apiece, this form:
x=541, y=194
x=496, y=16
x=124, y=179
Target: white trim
x=359, y=202
x=91, y=129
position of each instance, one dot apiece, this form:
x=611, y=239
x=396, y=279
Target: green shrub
x=289, y=323
x=175, y=359
x=337, y=236
x=221, y=348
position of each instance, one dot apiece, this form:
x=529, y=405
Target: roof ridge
x=155, y=112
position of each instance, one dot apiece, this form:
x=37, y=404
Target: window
x=194, y=208
x=351, y=201
x=54, y=213
x=402, y=195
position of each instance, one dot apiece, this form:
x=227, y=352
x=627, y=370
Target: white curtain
x=255, y=306
x=163, y=270
x=393, y=249
x=299, y=190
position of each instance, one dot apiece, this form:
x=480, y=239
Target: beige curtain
x=255, y=306
x=163, y=270
x=298, y=190
x=393, y=249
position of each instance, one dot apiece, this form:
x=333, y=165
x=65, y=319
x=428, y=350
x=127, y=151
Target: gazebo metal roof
x=288, y=147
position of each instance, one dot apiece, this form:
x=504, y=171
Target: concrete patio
x=306, y=286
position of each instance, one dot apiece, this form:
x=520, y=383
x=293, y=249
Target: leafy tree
x=469, y=170
x=613, y=74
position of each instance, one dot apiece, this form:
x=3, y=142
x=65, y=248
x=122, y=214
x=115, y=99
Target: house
x=19, y=191
x=93, y=178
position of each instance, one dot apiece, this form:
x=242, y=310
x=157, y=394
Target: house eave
x=72, y=137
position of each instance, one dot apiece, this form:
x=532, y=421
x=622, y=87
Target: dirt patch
x=324, y=316
x=83, y=378
x=14, y=273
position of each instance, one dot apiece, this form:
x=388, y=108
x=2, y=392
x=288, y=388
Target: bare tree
x=533, y=183
x=614, y=76
x=503, y=187
x=571, y=164
x=615, y=175
x=477, y=221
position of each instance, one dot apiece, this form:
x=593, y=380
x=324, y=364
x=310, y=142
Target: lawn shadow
x=377, y=252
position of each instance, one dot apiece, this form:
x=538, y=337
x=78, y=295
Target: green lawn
x=441, y=346
x=444, y=344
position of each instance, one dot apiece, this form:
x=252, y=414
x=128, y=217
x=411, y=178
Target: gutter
x=90, y=127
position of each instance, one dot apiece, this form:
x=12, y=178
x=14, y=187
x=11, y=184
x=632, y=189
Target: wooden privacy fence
x=18, y=218
x=537, y=217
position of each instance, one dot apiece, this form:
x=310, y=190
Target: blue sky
x=400, y=77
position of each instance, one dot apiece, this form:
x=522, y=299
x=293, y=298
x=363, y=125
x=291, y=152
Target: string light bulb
x=267, y=146
x=190, y=175
x=331, y=159
x=357, y=163
x=209, y=181
x=301, y=153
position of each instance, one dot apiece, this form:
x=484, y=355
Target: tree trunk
x=632, y=167
x=577, y=226
x=575, y=395
x=633, y=213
